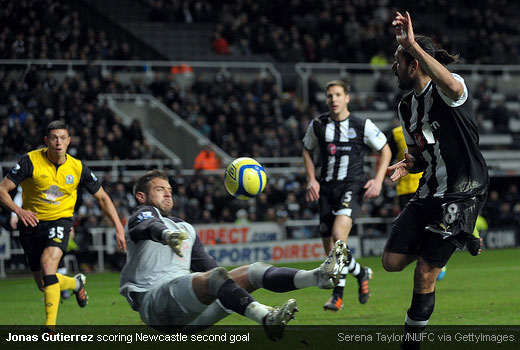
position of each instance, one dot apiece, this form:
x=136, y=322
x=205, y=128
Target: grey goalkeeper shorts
x=171, y=304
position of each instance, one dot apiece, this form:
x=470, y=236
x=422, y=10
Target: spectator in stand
x=512, y=196
x=516, y=214
x=242, y=217
x=220, y=44
x=202, y=125
x=505, y=217
x=123, y=196
x=501, y=116
x=180, y=198
x=379, y=60
x=158, y=13
x=491, y=208
x=293, y=206
x=226, y=216
x=206, y=160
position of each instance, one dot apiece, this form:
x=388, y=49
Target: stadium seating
x=250, y=115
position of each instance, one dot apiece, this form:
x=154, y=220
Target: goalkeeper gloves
x=174, y=239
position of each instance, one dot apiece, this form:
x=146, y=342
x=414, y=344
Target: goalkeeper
x=163, y=250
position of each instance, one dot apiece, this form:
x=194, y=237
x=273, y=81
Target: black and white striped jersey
x=446, y=133
x=343, y=145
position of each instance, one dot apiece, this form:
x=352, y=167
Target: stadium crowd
x=338, y=31
x=242, y=117
x=40, y=29
x=246, y=117
x=332, y=31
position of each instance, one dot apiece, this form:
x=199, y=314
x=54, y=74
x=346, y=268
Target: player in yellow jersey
x=407, y=185
x=474, y=243
x=50, y=178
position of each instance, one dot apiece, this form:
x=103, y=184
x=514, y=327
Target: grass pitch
x=479, y=290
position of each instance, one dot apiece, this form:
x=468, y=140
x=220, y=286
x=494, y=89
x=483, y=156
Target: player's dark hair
x=341, y=83
x=56, y=125
x=427, y=44
x=143, y=183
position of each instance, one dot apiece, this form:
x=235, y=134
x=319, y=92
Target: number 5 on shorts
x=347, y=197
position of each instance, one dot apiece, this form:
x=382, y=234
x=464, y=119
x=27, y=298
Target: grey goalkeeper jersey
x=151, y=263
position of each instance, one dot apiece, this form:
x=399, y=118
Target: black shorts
x=433, y=228
x=338, y=198
x=46, y=234
x=404, y=198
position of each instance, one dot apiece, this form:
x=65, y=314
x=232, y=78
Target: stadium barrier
x=129, y=169
x=232, y=244
x=103, y=241
x=127, y=70
x=211, y=234
x=162, y=127
x=501, y=238
x=372, y=246
x=274, y=251
x=363, y=75
x=5, y=250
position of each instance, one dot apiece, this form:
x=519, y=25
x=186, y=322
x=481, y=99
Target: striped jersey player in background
x=342, y=140
x=440, y=130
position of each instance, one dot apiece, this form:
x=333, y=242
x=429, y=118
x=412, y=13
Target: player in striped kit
x=342, y=140
x=441, y=133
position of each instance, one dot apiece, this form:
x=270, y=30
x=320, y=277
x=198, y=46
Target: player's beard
x=165, y=209
x=404, y=82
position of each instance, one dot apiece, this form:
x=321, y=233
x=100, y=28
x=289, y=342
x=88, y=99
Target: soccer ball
x=245, y=178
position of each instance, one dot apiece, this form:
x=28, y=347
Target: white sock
x=354, y=267
x=343, y=276
x=256, y=311
x=213, y=313
x=77, y=285
x=304, y=279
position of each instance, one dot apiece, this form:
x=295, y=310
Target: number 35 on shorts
x=56, y=233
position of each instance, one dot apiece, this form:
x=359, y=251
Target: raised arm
x=433, y=68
